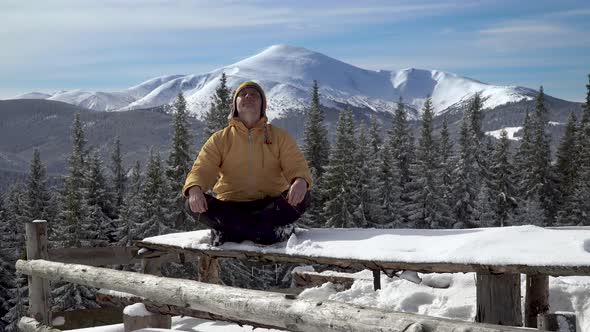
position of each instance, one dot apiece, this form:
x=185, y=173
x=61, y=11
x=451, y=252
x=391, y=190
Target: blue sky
x=110, y=45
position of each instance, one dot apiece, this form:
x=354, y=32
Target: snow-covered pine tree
x=425, y=205
x=70, y=230
x=401, y=145
x=18, y=303
x=339, y=175
x=523, y=177
x=465, y=189
x=529, y=212
x=447, y=164
x=98, y=226
x=566, y=168
x=179, y=163
x=118, y=177
x=389, y=187
x=502, y=186
x=483, y=209
x=13, y=235
x=216, y=117
x=156, y=217
x=366, y=186
x=131, y=209
x=37, y=195
x=543, y=178
x=316, y=149
x=579, y=209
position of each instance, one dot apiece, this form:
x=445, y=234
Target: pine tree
x=156, y=217
x=566, y=165
x=502, y=187
x=15, y=215
x=483, y=209
x=216, y=117
x=339, y=186
x=425, y=206
x=316, y=147
x=131, y=209
x=368, y=211
x=543, y=181
x=72, y=197
x=578, y=210
x=389, y=187
x=523, y=160
x=99, y=228
x=446, y=168
x=465, y=189
x=179, y=163
x=118, y=177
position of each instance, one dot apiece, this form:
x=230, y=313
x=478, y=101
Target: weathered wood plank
x=537, y=298
x=209, y=270
x=101, y=256
x=498, y=299
x=84, y=318
x=287, y=312
x=28, y=324
x=107, y=300
x=373, y=265
x=314, y=279
x=39, y=291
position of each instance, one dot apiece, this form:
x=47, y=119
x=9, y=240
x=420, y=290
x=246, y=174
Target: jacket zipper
x=251, y=171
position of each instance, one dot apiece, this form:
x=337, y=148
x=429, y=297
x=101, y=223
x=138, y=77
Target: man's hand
x=297, y=191
x=197, y=200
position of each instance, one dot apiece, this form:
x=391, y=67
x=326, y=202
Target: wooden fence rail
x=273, y=309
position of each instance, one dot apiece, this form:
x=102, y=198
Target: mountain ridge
x=287, y=73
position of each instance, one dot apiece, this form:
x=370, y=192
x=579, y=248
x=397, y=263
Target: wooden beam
x=84, y=318
x=209, y=270
x=498, y=299
x=28, y=324
x=376, y=279
x=557, y=322
x=537, y=298
x=306, y=279
x=359, y=264
x=39, y=291
x=95, y=256
x=286, y=312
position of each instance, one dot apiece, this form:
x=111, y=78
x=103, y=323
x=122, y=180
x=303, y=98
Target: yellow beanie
x=247, y=84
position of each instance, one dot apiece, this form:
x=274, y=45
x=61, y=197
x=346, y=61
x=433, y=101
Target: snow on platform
x=517, y=245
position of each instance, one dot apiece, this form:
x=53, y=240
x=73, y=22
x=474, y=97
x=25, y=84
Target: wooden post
x=498, y=299
x=209, y=270
x=39, y=292
x=537, y=298
x=558, y=322
x=150, y=264
x=376, y=279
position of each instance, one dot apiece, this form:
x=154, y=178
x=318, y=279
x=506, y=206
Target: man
x=263, y=180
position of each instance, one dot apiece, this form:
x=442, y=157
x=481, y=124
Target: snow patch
x=509, y=130
x=58, y=321
x=137, y=310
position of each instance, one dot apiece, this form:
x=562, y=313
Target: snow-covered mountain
x=287, y=73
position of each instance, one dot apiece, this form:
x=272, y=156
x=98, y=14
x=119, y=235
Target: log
x=357, y=264
x=537, y=298
x=557, y=322
x=28, y=324
x=107, y=300
x=151, y=264
x=39, y=291
x=286, y=312
x=498, y=299
x=93, y=256
x=84, y=318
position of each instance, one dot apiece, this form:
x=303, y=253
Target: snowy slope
x=287, y=73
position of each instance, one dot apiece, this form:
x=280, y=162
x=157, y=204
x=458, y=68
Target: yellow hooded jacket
x=250, y=165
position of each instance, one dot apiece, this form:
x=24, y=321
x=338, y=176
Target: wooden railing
x=498, y=287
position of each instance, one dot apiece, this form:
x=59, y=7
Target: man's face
x=249, y=101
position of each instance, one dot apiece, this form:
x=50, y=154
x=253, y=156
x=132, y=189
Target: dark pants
x=260, y=221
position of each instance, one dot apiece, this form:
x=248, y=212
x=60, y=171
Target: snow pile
x=510, y=131
x=456, y=300
x=526, y=245
x=137, y=310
